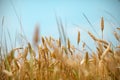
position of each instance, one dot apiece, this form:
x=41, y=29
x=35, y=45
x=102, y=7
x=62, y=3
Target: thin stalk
x=90, y=24
x=21, y=27
x=102, y=35
x=10, y=38
x=1, y=36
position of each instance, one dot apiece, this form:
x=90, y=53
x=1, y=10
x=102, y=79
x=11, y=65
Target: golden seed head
x=36, y=35
x=116, y=36
x=59, y=42
x=102, y=23
x=92, y=36
x=68, y=44
x=43, y=41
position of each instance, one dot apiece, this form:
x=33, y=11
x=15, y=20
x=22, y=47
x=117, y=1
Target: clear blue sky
x=42, y=12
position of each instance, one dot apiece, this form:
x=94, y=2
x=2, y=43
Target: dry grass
x=54, y=61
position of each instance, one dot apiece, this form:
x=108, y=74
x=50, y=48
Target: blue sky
x=42, y=12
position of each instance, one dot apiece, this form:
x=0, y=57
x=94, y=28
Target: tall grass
x=54, y=61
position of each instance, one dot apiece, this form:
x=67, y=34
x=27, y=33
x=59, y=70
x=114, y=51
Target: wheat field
x=51, y=60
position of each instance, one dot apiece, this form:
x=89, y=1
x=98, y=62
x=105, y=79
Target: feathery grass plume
x=102, y=26
x=36, y=35
x=116, y=35
x=78, y=38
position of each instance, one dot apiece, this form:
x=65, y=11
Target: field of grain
x=51, y=59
